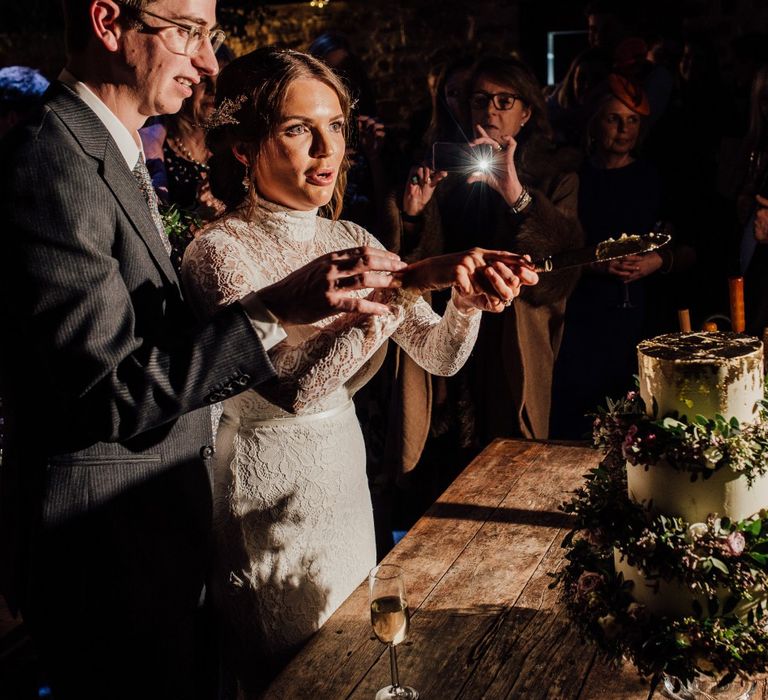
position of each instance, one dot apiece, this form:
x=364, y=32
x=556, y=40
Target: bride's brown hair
x=250, y=94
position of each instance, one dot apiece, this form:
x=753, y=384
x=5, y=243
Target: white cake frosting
x=694, y=374
x=673, y=597
x=665, y=490
x=701, y=374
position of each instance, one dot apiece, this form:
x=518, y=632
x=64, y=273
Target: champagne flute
x=626, y=302
x=390, y=620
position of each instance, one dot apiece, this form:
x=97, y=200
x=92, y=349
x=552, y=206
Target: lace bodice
x=320, y=365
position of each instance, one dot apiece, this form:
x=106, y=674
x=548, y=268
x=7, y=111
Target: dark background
x=399, y=41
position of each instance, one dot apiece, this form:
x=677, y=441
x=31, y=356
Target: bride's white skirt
x=294, y=531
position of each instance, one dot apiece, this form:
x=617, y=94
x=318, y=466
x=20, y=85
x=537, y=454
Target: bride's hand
x=466, y=272
x=503, y=285
x=321, y=288
x=502, y=175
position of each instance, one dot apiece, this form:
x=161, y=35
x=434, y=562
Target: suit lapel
x=95, y=140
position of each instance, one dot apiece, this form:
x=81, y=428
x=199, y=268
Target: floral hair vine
x=225, y=113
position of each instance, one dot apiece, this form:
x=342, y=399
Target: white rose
x=695, y=531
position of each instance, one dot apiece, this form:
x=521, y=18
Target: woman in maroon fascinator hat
x=606, y=315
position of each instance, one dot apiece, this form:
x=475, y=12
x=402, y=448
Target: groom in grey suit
x=106, y=375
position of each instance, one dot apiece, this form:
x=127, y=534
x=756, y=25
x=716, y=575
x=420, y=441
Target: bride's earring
x=247, y=178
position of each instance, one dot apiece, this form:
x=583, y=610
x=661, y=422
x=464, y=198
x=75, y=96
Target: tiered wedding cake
x=667, y=562
x=694, y=374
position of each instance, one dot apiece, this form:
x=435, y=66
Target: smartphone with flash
x=461, y=157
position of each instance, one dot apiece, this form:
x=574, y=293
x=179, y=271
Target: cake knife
x=610, y=249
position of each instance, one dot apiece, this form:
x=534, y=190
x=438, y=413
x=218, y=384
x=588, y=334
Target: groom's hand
x=321, y=288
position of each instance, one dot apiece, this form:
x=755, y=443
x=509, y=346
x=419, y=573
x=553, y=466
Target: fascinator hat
x=614, y=87
x=629, y=93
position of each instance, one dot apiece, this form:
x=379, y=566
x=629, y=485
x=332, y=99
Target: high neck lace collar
x=285, y=222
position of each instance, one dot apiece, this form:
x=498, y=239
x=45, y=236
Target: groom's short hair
x=78, y=24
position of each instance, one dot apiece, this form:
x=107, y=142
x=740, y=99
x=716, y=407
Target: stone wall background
x=398, y=40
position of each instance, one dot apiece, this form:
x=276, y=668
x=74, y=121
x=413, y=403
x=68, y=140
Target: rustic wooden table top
x=484, y=623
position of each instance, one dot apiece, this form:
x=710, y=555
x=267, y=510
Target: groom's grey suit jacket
x=106, y=376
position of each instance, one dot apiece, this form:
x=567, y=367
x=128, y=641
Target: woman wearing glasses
x=521, y=202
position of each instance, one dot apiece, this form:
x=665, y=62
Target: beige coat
x=510, y=374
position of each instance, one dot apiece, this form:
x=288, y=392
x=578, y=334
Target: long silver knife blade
x=606, y=250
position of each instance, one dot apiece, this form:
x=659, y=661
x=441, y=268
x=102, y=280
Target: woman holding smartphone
x=523, y=202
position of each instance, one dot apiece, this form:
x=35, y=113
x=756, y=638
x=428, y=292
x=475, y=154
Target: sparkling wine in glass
x=390, y=620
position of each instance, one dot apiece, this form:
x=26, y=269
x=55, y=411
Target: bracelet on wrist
x=411, y=218
x=522, y=202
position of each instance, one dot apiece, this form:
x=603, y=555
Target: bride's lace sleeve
x=330, y=357
x=218, y=271
x=441, y=346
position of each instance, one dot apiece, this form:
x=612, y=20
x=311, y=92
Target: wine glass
x=390, y=620
x=626, y=302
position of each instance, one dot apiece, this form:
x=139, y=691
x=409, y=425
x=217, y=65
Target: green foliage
x=179, y=222
x=700, y=446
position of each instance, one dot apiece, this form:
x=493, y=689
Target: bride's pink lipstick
x=321, y=177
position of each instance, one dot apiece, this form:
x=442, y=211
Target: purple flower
x=629, y=441
x=734, y=544
x=588, y=581
x=631, y=395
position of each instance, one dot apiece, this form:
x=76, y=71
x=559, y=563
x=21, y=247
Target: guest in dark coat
x=618, y=193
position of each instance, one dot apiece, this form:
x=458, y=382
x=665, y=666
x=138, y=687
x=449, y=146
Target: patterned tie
x=141, y=174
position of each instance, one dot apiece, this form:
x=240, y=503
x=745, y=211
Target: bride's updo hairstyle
x=250, y=94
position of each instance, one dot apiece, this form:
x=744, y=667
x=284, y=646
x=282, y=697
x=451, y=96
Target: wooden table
x=484, y=623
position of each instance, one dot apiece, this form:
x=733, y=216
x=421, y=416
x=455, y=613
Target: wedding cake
x=690, y=375
x=667, y=560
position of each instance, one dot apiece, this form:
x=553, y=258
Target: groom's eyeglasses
x=186, y=39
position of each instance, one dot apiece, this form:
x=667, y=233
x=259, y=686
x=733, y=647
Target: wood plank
x=536, y=652
x=607, y=681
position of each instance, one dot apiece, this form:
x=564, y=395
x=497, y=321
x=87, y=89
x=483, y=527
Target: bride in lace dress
x=292, y=509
